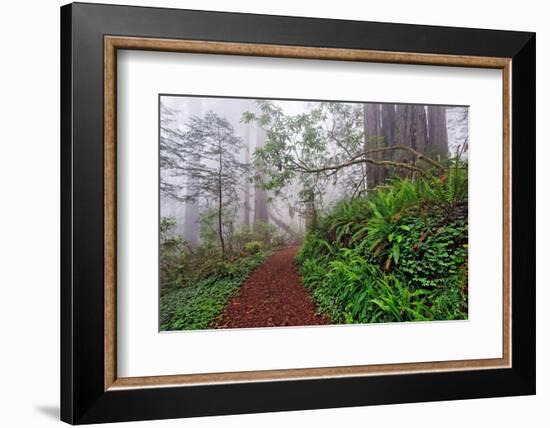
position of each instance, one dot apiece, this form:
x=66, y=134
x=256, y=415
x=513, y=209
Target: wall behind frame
x=29, y=226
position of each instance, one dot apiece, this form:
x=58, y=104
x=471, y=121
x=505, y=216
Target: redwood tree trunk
x=372, y=140
x=388, y=124
x=410, y=131
x=438, y=144
x=388, y=133
x=260, y=196
x=419, y=132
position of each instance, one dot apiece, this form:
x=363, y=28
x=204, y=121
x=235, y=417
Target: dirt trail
x=272, y=296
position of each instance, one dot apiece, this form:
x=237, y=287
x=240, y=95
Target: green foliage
x=399, y=254
x=326, y=133
x=206, y=154
x=279, y=240
x=172, y=255
x=208, y=225
x=253, y=247
x=263, y=232
x=433, y=251
x=195, y=306
x=349, y=289
x=301, y=150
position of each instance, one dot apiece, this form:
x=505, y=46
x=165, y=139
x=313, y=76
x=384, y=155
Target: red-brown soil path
x=272, y=296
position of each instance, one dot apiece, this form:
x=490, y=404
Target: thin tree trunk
x=311, y=211
x=246, y=193
x=220, y=228
x=191, y=217
x=220, y=200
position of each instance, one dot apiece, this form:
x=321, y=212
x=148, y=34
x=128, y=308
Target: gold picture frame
x=114, y=43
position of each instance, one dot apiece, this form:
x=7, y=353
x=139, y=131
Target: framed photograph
x=266, y=213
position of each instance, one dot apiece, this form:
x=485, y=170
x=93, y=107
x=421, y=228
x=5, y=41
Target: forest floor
x=272, y=296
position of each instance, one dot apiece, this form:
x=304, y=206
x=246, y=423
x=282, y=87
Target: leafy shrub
x=278, y=241
x=433, y=251
x=208, y=224
x=398, y=254
x=253, y=247
x=172, y=255
x=263, y=232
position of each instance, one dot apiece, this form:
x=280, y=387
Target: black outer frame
x=83, y=399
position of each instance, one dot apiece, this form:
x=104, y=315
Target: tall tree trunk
x=246, y=192
x=372, y=140
x=419, y=131
x=438, y=143
x=220, y=222
x=401, y=127
x=220, y=201
x=410, y=131
x=387, y=131
x=388, y=124
x=260, y=196
x=191, y=208
x=364, y=166
x=311, y=210
x=191, y=218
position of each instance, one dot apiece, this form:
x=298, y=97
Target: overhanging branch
x=359, y=161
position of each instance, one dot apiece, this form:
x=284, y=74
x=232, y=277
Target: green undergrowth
x=195, y=305
x=399, y=254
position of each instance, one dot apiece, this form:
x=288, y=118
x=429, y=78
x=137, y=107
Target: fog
x=284, y=209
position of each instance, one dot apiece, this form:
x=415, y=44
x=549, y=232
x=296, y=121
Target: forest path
x=272, y=296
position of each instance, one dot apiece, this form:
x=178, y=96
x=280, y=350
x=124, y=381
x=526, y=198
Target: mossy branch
x=385, y=163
